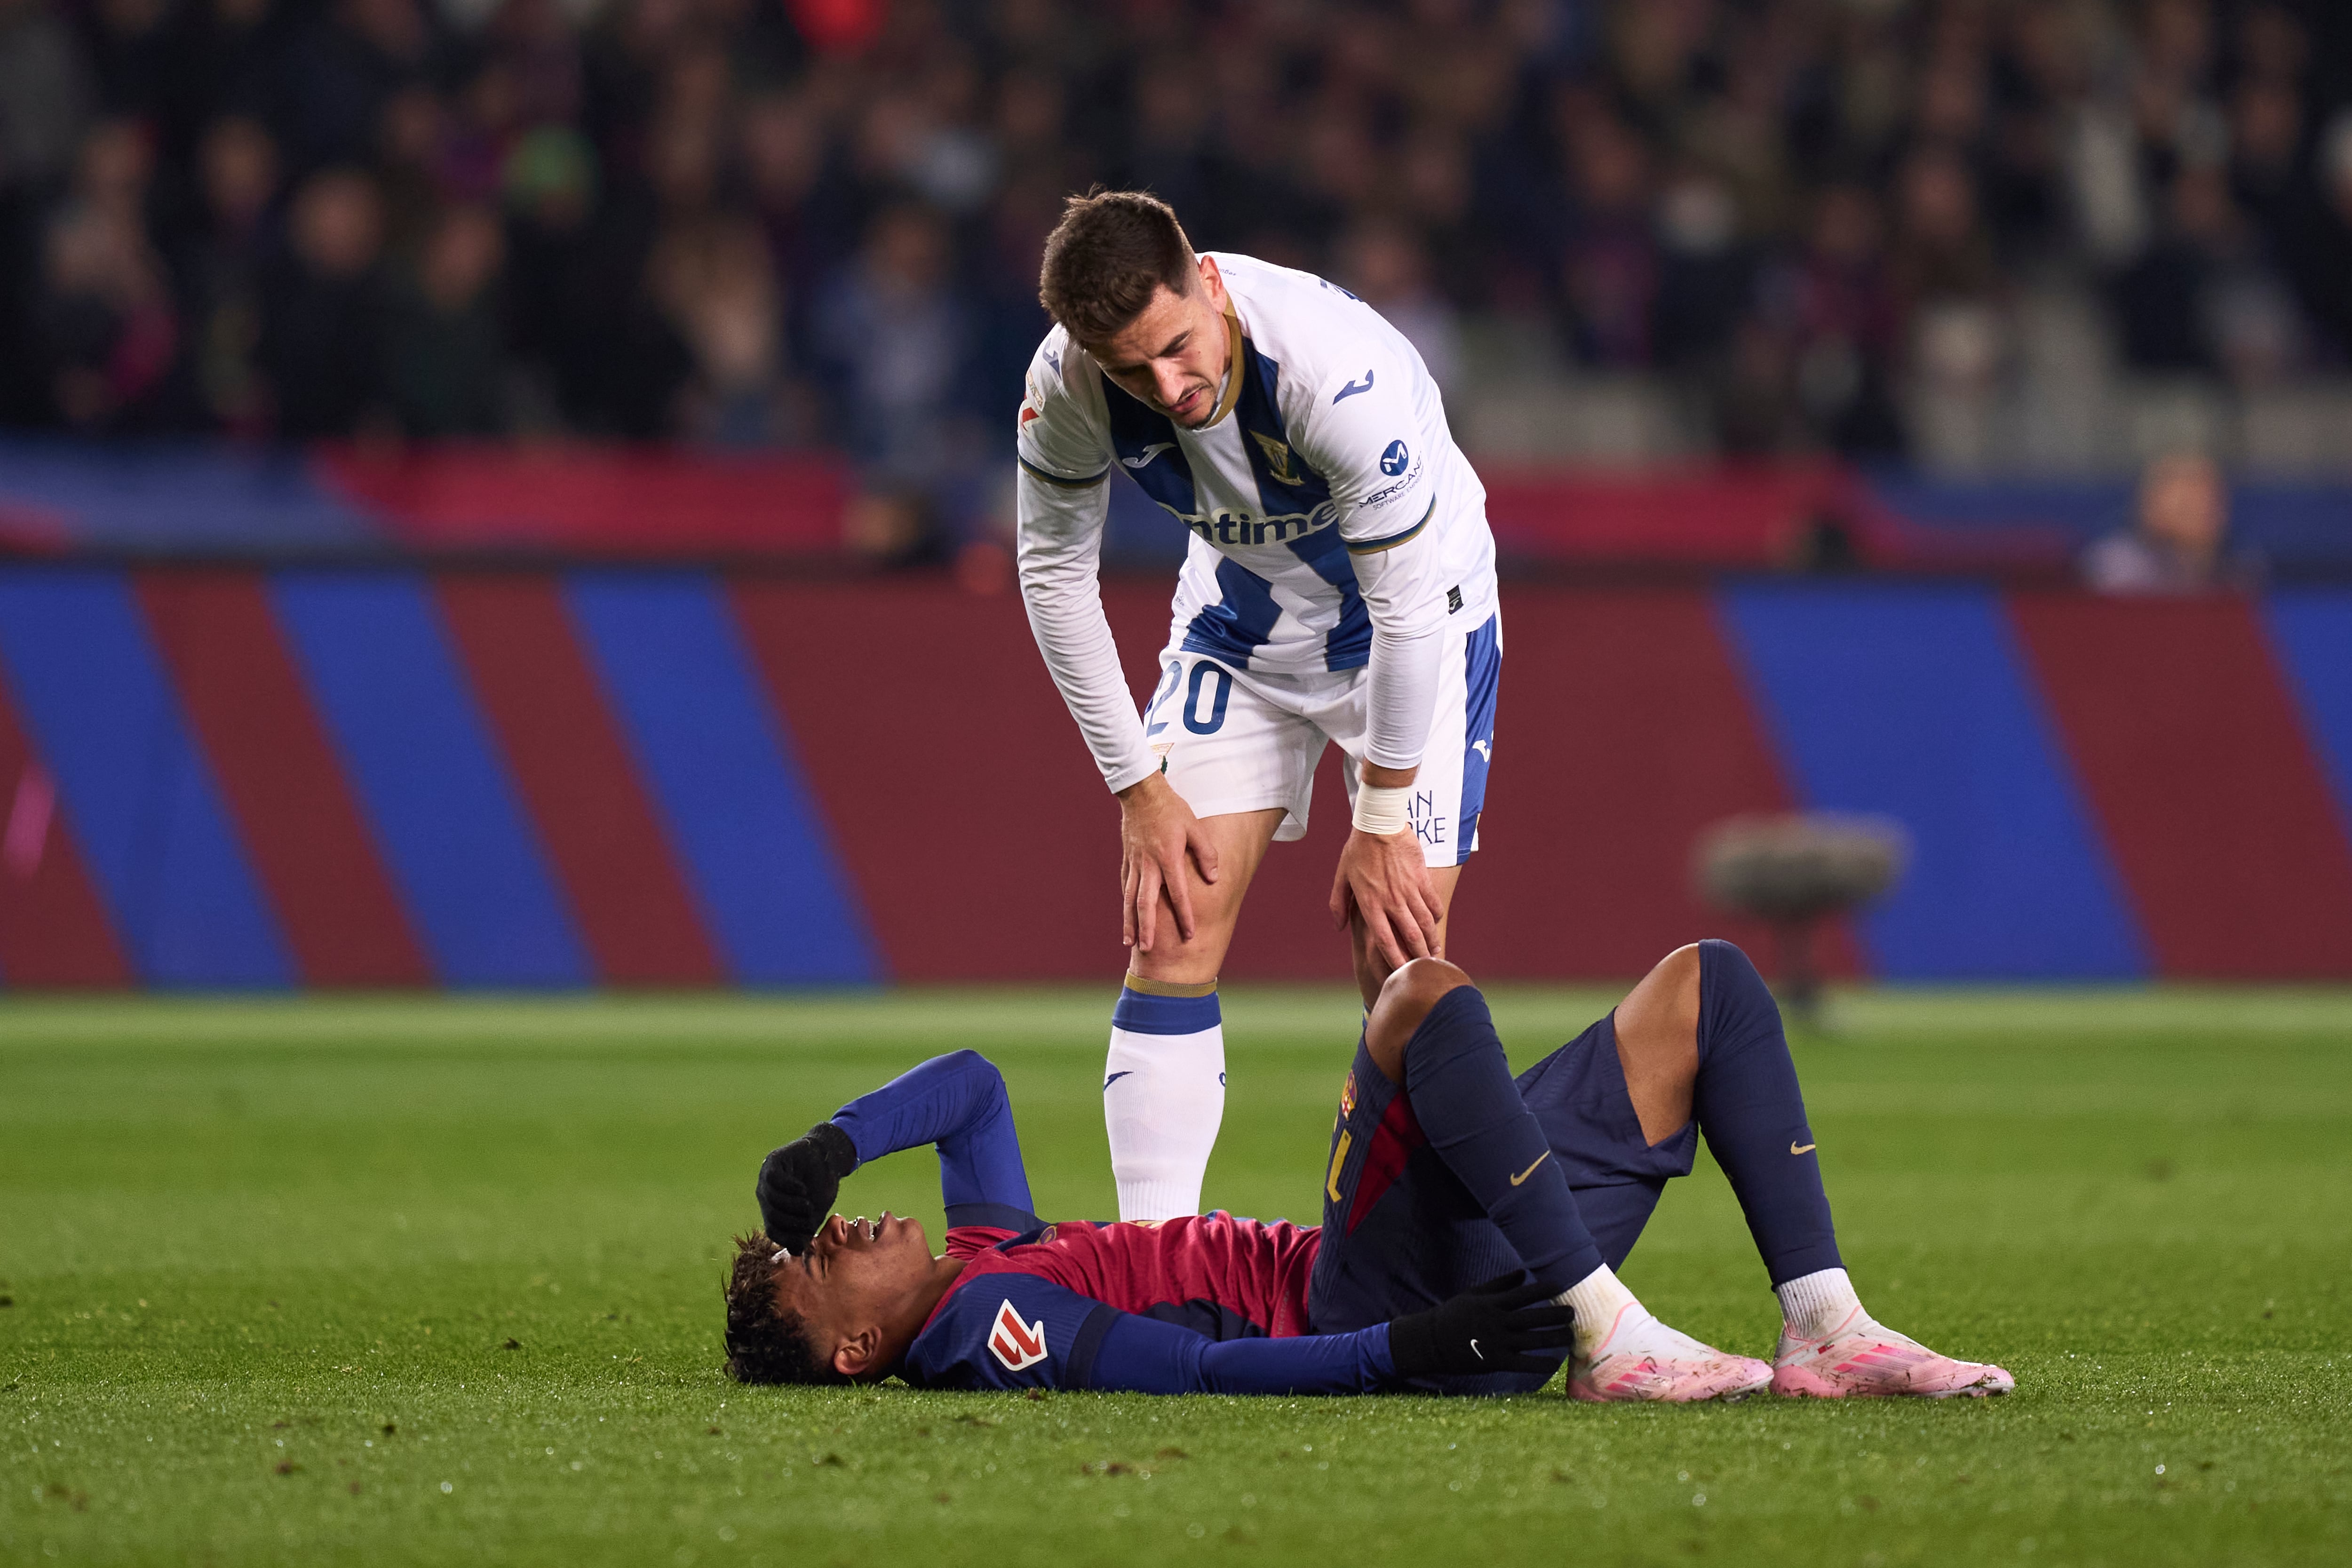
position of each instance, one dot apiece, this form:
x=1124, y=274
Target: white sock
x=1164, y=1098
x=1815, y=1305
x=1609, y=1317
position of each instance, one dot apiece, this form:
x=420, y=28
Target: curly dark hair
x=1107, y=258
x=765, y=1343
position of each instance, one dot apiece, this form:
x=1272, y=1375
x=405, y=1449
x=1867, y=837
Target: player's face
x=853, y=1273
x=1172, y=356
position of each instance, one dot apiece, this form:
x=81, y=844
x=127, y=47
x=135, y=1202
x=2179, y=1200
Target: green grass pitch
x=322, y=1280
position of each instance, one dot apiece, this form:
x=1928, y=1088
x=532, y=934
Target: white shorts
x=1237, y=740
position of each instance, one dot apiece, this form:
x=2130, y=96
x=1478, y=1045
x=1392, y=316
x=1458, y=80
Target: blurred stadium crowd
x=817, y=222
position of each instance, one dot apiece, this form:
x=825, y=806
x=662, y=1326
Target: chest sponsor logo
x=1278, y=460
x=1017, y=1345
x=1149, y=454
x=1394, y=460
x=1228, y=528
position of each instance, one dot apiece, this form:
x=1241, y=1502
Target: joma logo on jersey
x=1017, y=1345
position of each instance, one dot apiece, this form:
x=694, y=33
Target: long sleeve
x=958, y=1102
x=1060, y=541
x=1407, y=605
x=1007, y=1330
x=1386, y=489
x=1143, y=1355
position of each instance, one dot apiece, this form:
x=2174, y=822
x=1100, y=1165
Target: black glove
x=1488, y=1328
x=798, y=1182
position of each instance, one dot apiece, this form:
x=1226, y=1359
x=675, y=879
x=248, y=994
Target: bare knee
x=1657, y=1043
x=1405, y=1000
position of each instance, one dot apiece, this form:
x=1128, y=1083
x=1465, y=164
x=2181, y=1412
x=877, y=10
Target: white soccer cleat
x=1859, y=1359
x=1641, y=1359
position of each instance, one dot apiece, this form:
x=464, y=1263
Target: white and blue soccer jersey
x=1328, y=507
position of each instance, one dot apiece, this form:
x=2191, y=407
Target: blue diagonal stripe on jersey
x=1260, y=414
x=1240, y=621
x=1167, y=478
x=1349, y=644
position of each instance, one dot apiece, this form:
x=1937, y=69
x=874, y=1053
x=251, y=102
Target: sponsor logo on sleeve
x=1353, y=387
x=1027, y=413
x=1394, y=460
x=1017, y=1345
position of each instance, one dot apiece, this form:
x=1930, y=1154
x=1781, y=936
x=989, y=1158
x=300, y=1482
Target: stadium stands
x=1990, y=236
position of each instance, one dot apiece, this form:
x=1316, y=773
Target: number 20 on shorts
x=1194, y=720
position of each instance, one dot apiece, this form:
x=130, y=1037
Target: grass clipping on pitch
x=325, y=1280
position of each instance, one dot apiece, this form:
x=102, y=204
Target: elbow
x=984, y=1076
x=972, y=1061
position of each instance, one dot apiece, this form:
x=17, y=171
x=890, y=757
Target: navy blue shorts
x=1401, y=1234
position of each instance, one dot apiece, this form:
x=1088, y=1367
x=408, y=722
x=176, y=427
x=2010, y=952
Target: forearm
x=1060, y=552
x=1142, y=1355
x=955, y=1102
x=1404, y=681
x=1407, y=615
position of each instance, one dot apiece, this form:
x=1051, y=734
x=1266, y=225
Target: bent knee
x=1405, y=1000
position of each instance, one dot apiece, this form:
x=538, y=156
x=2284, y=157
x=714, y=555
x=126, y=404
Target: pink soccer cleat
x=1860, y=1359
x=1641, y=1358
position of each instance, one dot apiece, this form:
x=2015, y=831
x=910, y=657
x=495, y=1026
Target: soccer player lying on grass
x=1444, y=1173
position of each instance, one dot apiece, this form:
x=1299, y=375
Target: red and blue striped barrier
x=351, y=777
x=68, y=498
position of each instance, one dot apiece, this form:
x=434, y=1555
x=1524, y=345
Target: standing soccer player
x=1338, y=587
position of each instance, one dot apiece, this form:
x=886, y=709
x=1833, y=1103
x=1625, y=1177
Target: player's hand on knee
x=1503, y=1325
x=798, y=1182
x=1384, y=883
x=1157, y=832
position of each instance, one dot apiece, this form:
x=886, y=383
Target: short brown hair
x=1112, y=251
x=764, y=1343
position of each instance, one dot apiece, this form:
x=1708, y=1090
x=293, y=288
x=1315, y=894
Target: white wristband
x=1382, y=810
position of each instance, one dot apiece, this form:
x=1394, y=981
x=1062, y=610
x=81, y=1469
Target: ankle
x=1815, y=1305
x=1601, y=1304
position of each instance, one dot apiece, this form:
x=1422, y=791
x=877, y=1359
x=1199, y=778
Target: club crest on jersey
x=1016, y=1344
x=1347, y=1096
x=1278, y=460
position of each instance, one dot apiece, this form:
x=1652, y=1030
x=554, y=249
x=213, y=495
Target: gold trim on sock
x=1142, y=987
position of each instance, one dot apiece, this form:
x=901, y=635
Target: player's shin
x=1463, y=1095
x=1163, y=1095
x=1752, y=1115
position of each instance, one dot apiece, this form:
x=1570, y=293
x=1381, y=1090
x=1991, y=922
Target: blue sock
x=1460, y=1085
x=1752, y=1115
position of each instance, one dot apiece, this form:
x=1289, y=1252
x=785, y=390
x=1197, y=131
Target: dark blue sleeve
x=1016, y=1331
x=1142, y=1355
x=957, y=1101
